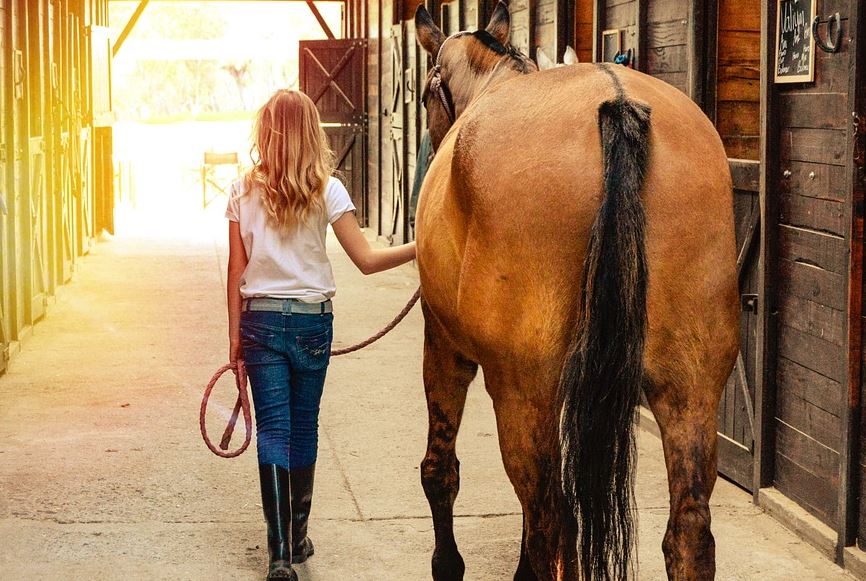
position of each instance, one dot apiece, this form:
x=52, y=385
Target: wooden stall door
x=84, y=193
x=332, y=73
x=393, y=226
x=736, y=415
x=811, y=286
x=735, y=107
x=5, y=218
x=38, y=229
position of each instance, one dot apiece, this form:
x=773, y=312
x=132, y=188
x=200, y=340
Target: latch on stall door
x=859, y=141
x=749, y=303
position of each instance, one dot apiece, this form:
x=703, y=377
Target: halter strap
x=438, y=86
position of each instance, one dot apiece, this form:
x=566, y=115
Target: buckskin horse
x=576, y=240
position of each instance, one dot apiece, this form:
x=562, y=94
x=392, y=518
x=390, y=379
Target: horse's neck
x=499, y=74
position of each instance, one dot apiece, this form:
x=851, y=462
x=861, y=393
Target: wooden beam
x=325, y=28
x=695, y=42
x=129, y=26
x=641, y=32
x=849, y=446
x=711, y=36
x=765, y=380
x=598, y=25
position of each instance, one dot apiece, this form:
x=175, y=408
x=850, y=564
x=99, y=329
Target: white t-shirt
x=291, y=264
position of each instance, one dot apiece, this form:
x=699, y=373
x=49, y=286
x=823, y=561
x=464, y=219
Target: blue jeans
x=286, y=357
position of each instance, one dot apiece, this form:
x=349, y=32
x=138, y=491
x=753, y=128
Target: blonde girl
x=279, y=293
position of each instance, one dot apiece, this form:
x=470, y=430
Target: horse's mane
x=517, y=58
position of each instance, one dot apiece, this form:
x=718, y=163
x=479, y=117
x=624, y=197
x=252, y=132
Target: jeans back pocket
x=314, y=351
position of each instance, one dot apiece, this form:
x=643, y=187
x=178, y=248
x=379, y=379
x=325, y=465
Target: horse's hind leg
x=526, y=421
x=687, y=422
x=447, y=376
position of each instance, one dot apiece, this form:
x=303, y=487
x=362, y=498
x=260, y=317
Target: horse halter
x=438, y=86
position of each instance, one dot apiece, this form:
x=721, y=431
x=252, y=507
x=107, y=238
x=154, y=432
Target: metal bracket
x=2, y=205
x=749, y=303
x=859, y=141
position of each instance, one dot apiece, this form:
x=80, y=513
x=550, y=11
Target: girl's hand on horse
x=367, y=259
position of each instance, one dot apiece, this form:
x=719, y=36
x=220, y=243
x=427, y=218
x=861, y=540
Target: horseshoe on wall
x=834, y=30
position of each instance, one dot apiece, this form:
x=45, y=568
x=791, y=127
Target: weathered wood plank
x=667, y=10
x=807, y=452
x=738, y=465
x=814, y=110
x=826, y=251
x=742, y=147
x=738, y=83
x=816, y=214
x=739, y=15
x=671, y=59
x=812, y=352
x=813, y=387
x=823, y=427
x=745, y=174
x=739, y=48
x=815, y=284
x=678, y=80
x=826, y=146
x=622, y=16
x=814, y=180
x=814, y=494
x=671, y=33
x=738, y=118
x=810, y=317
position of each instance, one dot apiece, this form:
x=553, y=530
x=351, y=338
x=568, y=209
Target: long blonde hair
x=291, y=159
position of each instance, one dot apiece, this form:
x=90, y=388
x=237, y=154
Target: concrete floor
x=103, y=474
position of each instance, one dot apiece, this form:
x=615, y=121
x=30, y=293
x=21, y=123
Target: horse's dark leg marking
x=524, y=567
x=689, y=437
x=447, y=376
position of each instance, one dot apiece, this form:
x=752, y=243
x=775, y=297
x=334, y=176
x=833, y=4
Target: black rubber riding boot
x=302, y=499
x=277, y=506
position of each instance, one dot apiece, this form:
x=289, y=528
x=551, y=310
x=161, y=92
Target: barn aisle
x=103, y=474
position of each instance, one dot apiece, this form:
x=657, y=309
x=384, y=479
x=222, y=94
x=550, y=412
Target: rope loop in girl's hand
x=241, y=404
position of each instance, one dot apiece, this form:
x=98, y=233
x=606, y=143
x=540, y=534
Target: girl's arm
x=236, y=267
x=367, y=259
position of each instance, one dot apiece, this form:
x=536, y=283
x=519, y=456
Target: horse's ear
x=429, y=35
x=499, y=26
x=543, y=60
x=570, y=57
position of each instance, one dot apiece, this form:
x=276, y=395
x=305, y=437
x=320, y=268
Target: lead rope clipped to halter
x=243, y=401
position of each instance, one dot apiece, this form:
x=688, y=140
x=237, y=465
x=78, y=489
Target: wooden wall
x=47, y=154
x=582, y=36
x=667, y=55
x=621, y=14
x=738, y=71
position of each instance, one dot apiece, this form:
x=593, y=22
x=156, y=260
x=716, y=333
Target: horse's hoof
x=448, y=568
x=281, y=571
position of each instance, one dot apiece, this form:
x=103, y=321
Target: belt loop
x=287, y=307
x=322, y=308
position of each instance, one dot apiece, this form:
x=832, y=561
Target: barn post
x=598, y=24
x=695, y=42
x=765, y=400
x=849, y=482
x=641, y=33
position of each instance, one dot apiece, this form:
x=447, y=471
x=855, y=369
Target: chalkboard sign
x=795, y=47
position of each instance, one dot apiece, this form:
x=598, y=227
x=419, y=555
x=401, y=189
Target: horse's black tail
x=602, y=377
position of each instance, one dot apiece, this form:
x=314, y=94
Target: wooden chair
x=212, y=160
